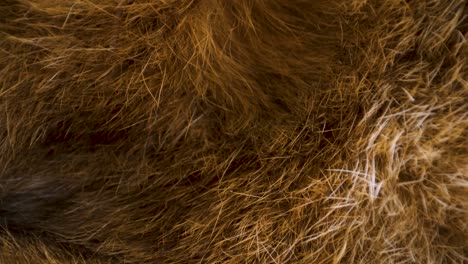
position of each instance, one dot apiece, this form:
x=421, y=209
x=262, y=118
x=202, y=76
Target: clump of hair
x=250, y=131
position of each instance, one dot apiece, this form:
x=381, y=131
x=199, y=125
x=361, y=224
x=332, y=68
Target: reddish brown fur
x=218, y=131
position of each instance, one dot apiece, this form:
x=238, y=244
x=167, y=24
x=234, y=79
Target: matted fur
x=243, y=131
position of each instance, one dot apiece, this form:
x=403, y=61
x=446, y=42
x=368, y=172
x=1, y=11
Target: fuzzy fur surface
x=218, y=131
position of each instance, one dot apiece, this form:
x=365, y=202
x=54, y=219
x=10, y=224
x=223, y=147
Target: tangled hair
x=246, y=131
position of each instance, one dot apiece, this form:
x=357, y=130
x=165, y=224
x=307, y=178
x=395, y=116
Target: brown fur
x=250, y=131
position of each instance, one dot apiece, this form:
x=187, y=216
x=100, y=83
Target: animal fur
x=247, y=131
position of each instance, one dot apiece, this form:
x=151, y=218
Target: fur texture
x=218, y=131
